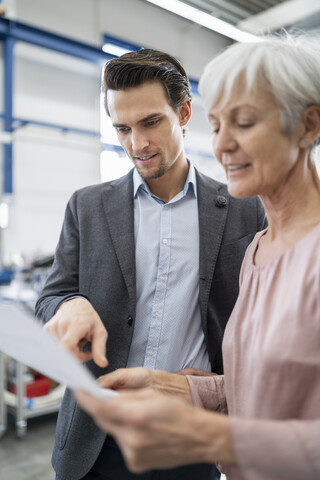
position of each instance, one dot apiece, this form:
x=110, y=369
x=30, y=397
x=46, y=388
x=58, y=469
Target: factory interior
x=56, y=138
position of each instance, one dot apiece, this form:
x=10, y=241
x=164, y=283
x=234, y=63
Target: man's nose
x=139, y=141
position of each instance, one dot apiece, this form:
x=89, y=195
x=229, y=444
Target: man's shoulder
x=220, y=188
x=243, y=213
x=205, y=180
x=122, y=184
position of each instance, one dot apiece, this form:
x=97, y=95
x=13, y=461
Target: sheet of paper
x=23, y=338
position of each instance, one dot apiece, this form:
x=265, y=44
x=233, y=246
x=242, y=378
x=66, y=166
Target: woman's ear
x=185, y=113
x=311, y=122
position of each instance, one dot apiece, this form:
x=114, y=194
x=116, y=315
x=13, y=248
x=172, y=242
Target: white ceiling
x=233, y=11
x=263, y=16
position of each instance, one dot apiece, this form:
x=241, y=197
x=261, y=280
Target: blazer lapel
x=213, y=209
x=118, y=206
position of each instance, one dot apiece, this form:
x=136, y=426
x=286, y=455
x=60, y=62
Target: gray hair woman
x=263, y=104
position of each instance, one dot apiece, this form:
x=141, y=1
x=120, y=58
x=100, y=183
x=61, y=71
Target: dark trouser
x=111, y=466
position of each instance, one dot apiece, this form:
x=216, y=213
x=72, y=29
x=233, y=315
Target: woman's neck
x=292, y=213
x=294, y=206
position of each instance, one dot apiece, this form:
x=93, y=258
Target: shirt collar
x=139, y=183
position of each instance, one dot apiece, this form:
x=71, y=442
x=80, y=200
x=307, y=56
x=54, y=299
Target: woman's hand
x=155, y=430
x=139, y=377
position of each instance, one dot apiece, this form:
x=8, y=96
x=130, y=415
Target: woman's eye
x=245, y=125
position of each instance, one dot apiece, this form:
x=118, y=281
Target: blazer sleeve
x=62, y=283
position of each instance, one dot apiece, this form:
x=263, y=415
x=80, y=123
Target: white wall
x=50, y=87
x=49, y=164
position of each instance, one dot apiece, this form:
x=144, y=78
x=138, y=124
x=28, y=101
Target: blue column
x=8, y=111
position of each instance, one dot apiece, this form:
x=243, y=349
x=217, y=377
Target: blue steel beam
x=58, y=43
x=121, y=43
x=21, y=122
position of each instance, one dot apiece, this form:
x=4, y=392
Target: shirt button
x=165, y=241
x=166, y=207
x=130, y=320
x=151, y=352
x=162, y=277
x=157, y=314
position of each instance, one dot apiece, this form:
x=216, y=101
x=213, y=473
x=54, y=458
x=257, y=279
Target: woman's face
x=249, y=142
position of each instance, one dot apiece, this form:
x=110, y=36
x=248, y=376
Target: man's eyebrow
x=142, y=120
x=150, y=117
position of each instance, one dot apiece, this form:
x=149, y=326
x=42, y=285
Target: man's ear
x=185, y=113
x=311, y=122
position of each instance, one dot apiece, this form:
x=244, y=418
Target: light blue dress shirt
x=167, y=333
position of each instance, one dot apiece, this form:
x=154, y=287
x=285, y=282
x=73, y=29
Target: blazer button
x=130, y=320
x=221, y=201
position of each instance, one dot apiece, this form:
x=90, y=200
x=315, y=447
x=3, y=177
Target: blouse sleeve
x=269, y=449
x=208, y=392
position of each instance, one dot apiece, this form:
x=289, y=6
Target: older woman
x=263, y=104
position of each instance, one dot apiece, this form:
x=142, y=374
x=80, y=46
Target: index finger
x=99, y=345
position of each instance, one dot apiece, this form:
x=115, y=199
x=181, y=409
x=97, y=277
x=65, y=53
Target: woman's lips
x=236, y=169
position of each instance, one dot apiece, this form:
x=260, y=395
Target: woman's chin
x=240, y=192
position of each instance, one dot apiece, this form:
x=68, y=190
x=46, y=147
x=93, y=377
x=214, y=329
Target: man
x=152, y=258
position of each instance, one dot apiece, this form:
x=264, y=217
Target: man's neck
x=171, y=183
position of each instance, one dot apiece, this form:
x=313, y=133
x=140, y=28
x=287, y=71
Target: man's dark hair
x=135, y=68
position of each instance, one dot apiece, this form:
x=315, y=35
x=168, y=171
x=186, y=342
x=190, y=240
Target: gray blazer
x=95, y=257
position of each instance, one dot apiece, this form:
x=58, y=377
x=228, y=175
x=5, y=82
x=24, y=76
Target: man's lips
x=145, y=158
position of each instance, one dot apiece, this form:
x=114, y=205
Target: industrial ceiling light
x=205, y=19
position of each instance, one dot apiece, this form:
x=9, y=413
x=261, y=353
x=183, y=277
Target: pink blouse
x=271, y=351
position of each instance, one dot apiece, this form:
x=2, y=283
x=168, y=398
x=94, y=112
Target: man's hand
x=155, y=430
x=75, y=323
x=139, y=377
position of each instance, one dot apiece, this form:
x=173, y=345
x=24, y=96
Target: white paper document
x=23, y=338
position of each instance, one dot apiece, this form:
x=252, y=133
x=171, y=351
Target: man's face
x=148, y=128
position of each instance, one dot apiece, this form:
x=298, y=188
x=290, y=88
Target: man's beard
x=156, y=173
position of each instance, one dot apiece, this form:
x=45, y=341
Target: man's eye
x=245, y=125
x=122, y=130
x=151, y=123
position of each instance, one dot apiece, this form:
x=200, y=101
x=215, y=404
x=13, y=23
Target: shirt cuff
x=208, y=392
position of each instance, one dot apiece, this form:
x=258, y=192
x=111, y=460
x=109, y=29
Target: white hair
x=287, y=66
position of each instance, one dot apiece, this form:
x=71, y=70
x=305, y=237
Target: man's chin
x=151, y=175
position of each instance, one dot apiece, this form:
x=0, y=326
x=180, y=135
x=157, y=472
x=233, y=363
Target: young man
x=152, y=258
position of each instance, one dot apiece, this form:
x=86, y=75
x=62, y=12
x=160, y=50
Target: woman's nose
x=223, y=141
